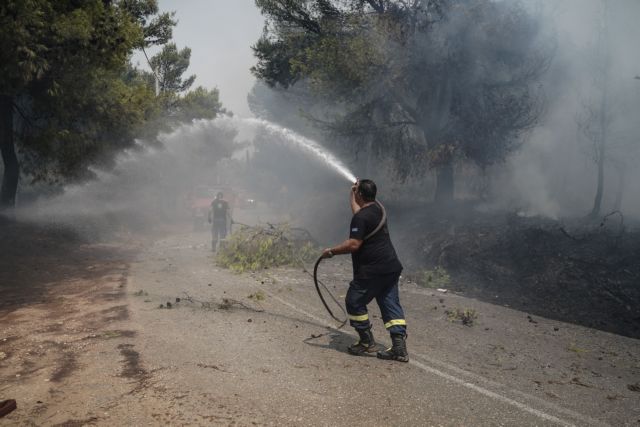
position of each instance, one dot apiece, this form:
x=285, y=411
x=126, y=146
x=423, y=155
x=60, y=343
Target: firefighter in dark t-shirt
x=218, y=215
x=376, y=270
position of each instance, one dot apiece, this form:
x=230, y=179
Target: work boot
x=366, y=343
x=398, y=350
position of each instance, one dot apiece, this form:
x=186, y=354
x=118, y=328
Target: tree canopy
x=69, y=97
x=169, y=65
x=425, y=83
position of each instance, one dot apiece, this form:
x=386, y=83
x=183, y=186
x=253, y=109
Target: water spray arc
x=327, y=158
x=300, y=141
x=174, y=155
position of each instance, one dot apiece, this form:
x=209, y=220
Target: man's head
x=366, y=190
x=219, y=195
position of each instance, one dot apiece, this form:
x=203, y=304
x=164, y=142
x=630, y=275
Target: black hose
x=324, y=302
x=318, y=282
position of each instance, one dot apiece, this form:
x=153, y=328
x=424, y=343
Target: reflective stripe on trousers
x=385, y=291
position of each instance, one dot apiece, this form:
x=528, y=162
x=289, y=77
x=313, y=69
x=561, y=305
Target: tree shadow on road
x=40, y=258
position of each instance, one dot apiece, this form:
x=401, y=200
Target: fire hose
x=319, y=283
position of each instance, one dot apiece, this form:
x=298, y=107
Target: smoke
x=149, y=184
x=554, y=172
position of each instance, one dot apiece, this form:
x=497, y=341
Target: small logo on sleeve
x=354, y=230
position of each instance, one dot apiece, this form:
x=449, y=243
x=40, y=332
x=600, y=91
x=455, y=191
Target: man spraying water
x=376, y=270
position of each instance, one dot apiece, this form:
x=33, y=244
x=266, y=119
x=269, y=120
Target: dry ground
x=84, y=342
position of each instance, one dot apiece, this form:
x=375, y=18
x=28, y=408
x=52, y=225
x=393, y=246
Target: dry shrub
x=259, y=247
x=466, y=316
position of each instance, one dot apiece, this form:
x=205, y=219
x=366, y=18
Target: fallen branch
x=566, y=233
x=225, y=304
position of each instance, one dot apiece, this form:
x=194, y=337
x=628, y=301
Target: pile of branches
x=254, y=248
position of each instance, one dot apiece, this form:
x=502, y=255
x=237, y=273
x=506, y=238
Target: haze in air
x=181, y=182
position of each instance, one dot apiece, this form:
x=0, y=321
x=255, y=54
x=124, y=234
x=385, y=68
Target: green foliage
x=112, y=114
x=436, y=278
x=64, y=67
x=200, y=103
x=43, y=40
x=467, y=316
x=22, y=30
x=257, y=248
x=339, y=64
x=157, y=28
x=59, y=58
x=169, y=65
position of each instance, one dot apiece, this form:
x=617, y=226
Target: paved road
x=273, y=360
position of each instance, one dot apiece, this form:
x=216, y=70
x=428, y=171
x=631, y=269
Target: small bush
x=257, y=248
x=258, y=296
x=466, y=316
x=436, y=278
x=574, y=348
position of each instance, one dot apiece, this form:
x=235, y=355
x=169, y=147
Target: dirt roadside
x=67, y=345
x=87, y=344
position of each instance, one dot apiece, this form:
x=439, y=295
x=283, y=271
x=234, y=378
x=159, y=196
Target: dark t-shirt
x=219, y=208
x=376, y=255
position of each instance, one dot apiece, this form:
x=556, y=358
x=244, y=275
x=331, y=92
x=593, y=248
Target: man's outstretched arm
x=346, y=247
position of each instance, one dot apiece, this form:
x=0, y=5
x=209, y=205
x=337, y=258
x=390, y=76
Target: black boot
x=366, y=344
x=398, y=350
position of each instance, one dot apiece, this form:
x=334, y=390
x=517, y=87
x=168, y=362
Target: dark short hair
x=367, y=190
x=219, y=195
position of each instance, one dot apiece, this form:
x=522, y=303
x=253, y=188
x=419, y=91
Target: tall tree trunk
x=597, y=203
x=444, y=184
x=435, y=112
x=603, y=46
x=620, y=190
x=9, y=159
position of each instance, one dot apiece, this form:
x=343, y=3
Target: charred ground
x=572, y=270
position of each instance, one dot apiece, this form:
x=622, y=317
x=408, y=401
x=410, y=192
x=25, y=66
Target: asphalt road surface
x=90, y=345
x=262, y=344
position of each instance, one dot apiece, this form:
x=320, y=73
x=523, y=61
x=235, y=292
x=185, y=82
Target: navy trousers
x=218, y=232
x=385, y=290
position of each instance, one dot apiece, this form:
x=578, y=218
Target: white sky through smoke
x=220, y=34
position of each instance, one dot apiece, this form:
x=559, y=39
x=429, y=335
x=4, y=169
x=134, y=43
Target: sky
x=220, y=34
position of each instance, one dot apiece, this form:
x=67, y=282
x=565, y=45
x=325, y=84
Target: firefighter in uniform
x=376, y=271
x=218, y=216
